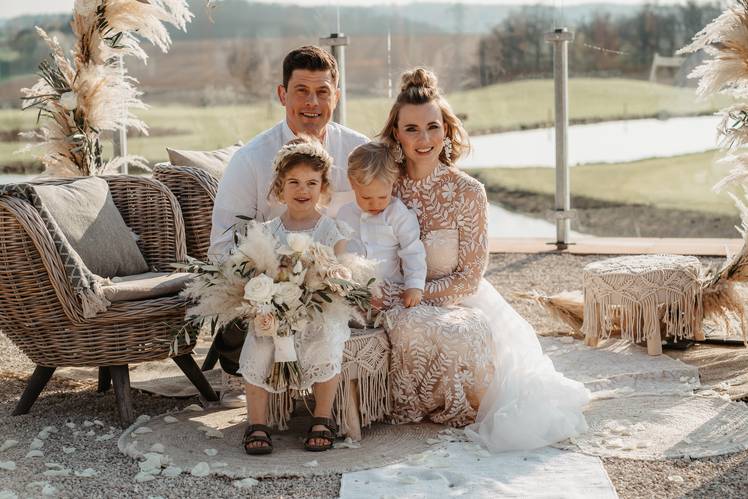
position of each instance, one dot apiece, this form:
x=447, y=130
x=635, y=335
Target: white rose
x=286, y=292
x=259, y=289
x=69, y=101
x=299, y=242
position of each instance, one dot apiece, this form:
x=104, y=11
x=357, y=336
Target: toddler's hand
x=412, y=297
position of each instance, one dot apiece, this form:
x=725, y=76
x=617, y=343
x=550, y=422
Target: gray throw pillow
x=213, y=162
x=85, y=212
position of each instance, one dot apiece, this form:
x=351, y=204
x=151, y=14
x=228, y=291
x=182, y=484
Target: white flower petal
x=49, y=490
x=36, y=444
x=170, y=419
x=157, y=448
x=193, y=408
x=102, y=438
x=68, y=450
x=210, y=452
x=142, y=430
x=34, y=453
x=8, y=444
x=143, y=418
x=88, y=472
x=213, y=433
x=172, y=471
x=201, y=469
x=57, y=472
x=144, y=477
x=245, y=483
x=42, y=435
x=675, y=478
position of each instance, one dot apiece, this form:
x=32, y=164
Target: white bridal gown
x=465, y=356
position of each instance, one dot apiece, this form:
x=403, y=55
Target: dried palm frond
x=722, y=302
x=567, y=306
x=79, y=98
x=726, y=40
x=738, y=174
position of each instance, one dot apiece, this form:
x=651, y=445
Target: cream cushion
x=145, y=286
x=213, y=162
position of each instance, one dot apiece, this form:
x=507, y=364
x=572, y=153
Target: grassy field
x=680, y=182
x=498, y=107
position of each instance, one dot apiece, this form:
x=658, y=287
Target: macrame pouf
x=645, y=296
x=363, y=395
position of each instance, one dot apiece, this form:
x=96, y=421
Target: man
x=309, y=93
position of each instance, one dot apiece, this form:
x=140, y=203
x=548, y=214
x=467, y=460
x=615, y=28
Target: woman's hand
x=412, y=297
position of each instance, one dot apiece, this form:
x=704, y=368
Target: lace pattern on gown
x=442, y=354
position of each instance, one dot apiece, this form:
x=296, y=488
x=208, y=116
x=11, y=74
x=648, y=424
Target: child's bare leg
x=324, y=394
x=257, y=404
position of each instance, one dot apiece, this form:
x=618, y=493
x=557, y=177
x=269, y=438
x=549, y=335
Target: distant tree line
x=603, y=44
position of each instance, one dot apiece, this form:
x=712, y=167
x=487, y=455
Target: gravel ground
x=65, y=401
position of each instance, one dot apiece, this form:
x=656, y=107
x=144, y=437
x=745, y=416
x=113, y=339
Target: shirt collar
x=288, y=135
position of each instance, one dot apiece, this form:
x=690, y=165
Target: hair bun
x=419, y=78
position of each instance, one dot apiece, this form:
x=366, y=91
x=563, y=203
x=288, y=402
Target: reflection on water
x=608, y=142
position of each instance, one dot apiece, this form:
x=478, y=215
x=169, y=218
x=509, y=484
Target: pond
x=607, y=142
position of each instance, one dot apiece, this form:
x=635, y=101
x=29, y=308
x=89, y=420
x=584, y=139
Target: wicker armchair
x=42, y=315
x=195, y=189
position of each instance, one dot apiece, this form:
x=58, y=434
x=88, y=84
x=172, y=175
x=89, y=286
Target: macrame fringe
x=677, y=313
x=366, y=377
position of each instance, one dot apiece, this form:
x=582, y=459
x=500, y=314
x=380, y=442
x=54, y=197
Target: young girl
x=301, y=183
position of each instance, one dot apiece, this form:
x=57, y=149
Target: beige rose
x=287, y=292
x=337, y=272
x=265, y=325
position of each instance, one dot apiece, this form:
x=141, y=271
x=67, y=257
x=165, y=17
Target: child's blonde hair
x=370, y=161
x=304, y=150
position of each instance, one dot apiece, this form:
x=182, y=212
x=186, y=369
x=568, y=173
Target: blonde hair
x=302, y=150
x=370, y=161
x=420, y=86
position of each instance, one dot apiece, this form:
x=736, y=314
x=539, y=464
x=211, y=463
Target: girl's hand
x=412, y=297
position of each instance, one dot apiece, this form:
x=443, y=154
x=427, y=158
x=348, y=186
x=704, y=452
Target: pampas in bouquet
x=80, y=97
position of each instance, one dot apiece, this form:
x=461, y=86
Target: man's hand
x=412, y=297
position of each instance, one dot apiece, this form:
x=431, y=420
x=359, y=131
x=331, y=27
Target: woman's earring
x=448, y=149
x=397, y=153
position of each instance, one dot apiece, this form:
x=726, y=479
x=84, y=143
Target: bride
x=465, y=356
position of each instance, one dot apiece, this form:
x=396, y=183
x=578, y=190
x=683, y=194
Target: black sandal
x=328, y=434
x=249, y=438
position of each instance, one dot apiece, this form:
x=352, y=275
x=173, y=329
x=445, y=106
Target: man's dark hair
x=311, y=58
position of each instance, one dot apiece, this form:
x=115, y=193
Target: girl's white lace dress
x=465, y=356
x=319, y=348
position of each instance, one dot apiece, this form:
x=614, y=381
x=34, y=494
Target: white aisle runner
x=462, y=469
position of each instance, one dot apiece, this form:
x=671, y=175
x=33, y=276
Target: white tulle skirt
x=528, y=403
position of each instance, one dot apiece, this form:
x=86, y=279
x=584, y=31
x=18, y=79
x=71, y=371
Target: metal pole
x=337, y=42
x=119, y=140
x=560, y=39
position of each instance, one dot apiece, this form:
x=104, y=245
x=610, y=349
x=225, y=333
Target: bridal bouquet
x=278, y=291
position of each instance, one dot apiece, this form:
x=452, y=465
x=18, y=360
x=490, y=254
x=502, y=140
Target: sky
x=12, y=8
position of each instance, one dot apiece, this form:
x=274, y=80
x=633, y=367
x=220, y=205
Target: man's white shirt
x=245, y=185
x=392, y=238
